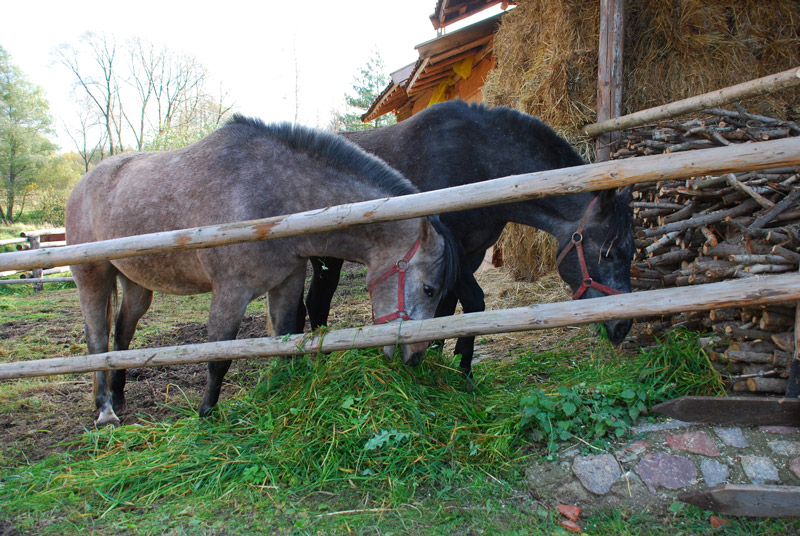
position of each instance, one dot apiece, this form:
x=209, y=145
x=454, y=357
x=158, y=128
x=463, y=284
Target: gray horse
x=243, y=171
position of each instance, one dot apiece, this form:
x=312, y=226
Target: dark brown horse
x=245, y=170
x=455, y=143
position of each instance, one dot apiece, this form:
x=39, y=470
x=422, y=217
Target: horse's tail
x=111, y=307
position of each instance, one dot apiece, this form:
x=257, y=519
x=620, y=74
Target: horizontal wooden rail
x=742, y=292
x=741, y=157
x=42, y=232
x=744, y=90
x=36, y=280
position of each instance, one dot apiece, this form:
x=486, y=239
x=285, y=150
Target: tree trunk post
x=37, y=272
x=609, y=72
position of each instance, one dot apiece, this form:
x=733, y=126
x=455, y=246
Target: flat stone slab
x=666, y=470
x=760, y=470
x=784, y=447
x=694, y=442
x=596, y=473
x=779, y=430
x=714, y=472
x=733, y=437
x=794, y=465
x=670, y=424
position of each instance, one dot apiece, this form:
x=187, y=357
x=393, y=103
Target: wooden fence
x=33, y=240
x=583, y=178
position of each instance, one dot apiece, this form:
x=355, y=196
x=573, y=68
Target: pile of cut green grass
x=350, y=422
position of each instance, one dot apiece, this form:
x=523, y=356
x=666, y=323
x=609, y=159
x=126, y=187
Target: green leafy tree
x=24, y=121
x=367, y=86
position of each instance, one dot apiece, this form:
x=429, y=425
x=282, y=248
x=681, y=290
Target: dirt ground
x=50, y=415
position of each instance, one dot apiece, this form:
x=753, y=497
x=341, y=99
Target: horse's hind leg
x=96, y=286
x=227, y=310
x=136, y=301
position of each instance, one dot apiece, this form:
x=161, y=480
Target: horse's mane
x=334, y=149
x=620, y=222
x=341, y=152
x=523, y=127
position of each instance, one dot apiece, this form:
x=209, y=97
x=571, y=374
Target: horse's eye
x=428, y=290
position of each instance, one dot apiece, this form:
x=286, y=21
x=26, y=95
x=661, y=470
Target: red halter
x=400, y=268
x=577, y=243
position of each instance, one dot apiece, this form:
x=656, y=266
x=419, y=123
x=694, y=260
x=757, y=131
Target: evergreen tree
x=24, y=121
x=367, y=86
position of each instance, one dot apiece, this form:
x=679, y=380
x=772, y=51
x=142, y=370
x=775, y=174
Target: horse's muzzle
x=617, y=330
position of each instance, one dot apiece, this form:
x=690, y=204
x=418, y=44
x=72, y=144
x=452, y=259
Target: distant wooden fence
x=33, y=240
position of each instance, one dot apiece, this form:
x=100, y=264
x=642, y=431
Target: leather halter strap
x=399, y=268
x=577, y=242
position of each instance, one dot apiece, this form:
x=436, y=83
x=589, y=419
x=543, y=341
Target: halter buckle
x=577, y=237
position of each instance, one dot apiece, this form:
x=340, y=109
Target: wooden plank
x=609, y=71
x=589, y=177
x=759, y=86
x=793, y=385
x=733, y=410
x=746, y=500
x=754, y=291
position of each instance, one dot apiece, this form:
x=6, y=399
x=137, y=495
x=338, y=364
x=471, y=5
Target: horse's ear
x=424, y=231
x=627, y=194
x=606, y=199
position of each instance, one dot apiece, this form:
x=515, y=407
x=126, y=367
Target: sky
x=247, y=47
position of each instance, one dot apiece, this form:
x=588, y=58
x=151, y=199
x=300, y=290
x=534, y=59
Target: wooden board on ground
x=733, y=410
x=746, y=500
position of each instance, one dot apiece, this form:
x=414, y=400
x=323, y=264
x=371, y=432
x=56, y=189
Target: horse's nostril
x=414, y=359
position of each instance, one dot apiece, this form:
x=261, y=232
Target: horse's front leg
x=324, y=282
x=228, y=304
x=283, y=305
x=472, y=301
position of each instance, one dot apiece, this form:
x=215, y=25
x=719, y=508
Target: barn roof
x=450, y=11
x=436, y=60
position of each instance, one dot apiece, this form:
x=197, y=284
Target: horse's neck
x=361, y=243
x=557, y=215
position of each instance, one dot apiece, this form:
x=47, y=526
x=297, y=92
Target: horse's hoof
x=469, y=382
x=204, y=410
x=119, y=404
x=107, y=417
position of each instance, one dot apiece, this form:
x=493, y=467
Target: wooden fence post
x=36, y=272
x=609, y=72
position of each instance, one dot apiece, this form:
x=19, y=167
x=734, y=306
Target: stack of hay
x=707, y=229
x=547, y=66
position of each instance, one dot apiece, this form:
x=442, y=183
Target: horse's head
x=409, y=284
x=595, y=256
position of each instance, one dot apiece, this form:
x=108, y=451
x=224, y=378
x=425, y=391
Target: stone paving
x=665, y=459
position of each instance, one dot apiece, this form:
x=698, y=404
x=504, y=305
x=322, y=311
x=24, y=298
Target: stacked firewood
x=707, y=229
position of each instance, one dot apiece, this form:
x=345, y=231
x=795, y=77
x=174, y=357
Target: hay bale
x=528, y=254
x=547, y=66
x=547, y=56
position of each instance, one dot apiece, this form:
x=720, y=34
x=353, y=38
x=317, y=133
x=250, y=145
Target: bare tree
x=158, y=97
x=99, y=82
x=89, y=147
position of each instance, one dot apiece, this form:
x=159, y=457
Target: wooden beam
x=589, y=177
x=746, y=500
x=36, y=280
x=755, y=291
x=746, y=90
x=793, y=386
x=609, y=71
x=732, y=410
